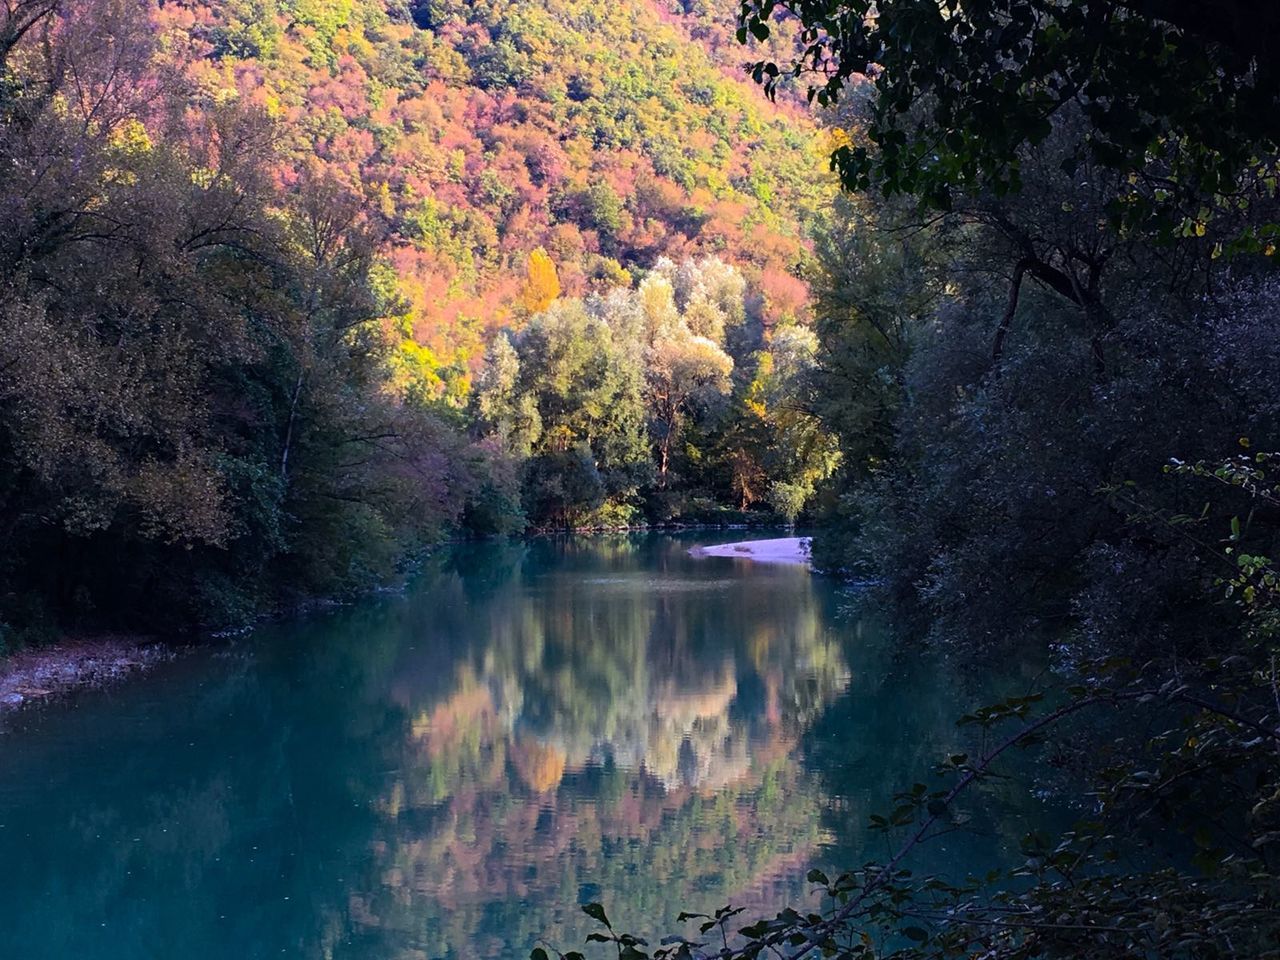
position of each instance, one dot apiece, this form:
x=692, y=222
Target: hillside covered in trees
x=295, y=288
x=474, y=133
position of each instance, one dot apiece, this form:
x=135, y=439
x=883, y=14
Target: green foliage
x=251, y=30
x=1200, y=766
x=562, y=485
x=789, y=498
x=985, y=371
x=494, y=507
x=960, y=90
x=586, y=393
x=628, y=400
x=204, y=413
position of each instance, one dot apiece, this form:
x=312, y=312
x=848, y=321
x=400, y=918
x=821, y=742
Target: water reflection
x=451, y=772
x=627, y=735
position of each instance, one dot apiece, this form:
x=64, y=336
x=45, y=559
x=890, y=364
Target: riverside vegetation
x=294, y=288
x=1047, y=316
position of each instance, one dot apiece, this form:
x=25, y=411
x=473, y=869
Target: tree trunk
x=288, y=430
x=1002, y=331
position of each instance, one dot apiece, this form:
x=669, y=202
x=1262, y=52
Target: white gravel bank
x=780, y=550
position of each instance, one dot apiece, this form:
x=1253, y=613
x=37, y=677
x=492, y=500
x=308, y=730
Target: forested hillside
x=278, y=273
x=477, y=132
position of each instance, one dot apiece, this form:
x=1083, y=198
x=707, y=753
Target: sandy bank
x=780, y=550
x=44, y=672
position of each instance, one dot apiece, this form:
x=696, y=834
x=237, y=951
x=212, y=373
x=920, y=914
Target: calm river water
x=450, y=772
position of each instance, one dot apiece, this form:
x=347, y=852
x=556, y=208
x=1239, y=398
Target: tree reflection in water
x=628, y=731
x=450, y=772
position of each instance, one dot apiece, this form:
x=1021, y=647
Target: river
x=451, y=771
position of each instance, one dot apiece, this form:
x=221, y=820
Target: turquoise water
x=450, y=772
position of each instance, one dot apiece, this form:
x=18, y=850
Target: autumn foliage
x=261, y=256
x=541, y=284
x=476, y=133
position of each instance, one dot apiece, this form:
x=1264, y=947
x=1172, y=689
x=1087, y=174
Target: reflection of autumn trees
x=634, y=668
x=441, y=774
x=610, y=830
x=448, y=773
x=625, y=729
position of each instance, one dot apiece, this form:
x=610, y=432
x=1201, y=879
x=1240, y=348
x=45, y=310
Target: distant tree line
x=647, y=404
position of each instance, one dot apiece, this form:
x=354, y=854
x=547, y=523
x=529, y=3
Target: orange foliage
x=539, y=765
x=784, y=296
x=468, y=172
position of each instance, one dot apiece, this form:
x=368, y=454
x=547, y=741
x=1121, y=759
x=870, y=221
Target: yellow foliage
x=542, y=283
x=755, y=400
x=271, y=103
x=837, y=138
x=415, y=372
x=131, y=138
x=386, y=202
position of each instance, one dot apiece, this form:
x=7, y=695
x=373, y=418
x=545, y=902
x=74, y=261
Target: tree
x=775, y=445
x=197, y=404
x=640, y=377
x=685, y=369
x=682, y=371
x=710, y=293
x=542, y=284
x=500, y=407
x=961, y=89
x=582, y=388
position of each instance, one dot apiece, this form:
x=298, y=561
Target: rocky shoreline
x=39, y=674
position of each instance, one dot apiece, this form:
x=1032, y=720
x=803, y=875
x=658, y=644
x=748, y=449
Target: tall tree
x=541, y=283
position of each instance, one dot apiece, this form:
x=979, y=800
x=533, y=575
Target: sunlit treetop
x=1181, y=95
x=542, y=284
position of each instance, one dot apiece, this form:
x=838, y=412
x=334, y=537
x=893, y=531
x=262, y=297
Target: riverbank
x=794, y=550
x=44, y=672
x=47, y=672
